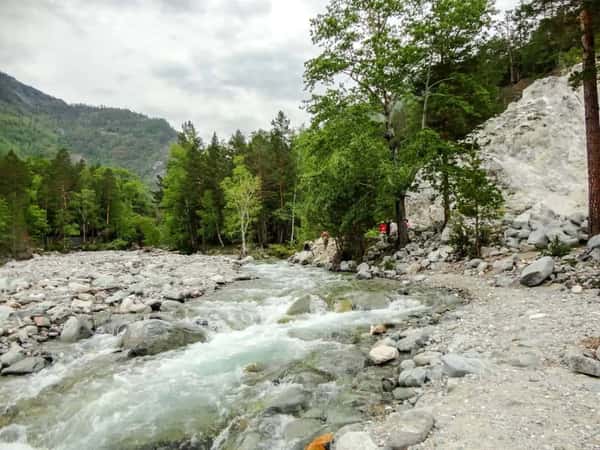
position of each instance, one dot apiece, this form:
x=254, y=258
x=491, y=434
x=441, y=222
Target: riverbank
x=526, y=397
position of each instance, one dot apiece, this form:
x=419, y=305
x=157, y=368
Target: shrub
x=557, y=248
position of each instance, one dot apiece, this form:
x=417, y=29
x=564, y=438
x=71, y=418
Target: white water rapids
x=92, y=398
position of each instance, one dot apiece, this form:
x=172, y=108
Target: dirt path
x=527, y=398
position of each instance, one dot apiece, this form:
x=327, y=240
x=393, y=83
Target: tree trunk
x=401, y=221
x=592, y=119
x=219, y=235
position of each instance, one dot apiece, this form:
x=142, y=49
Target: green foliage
x=281, y=251
x=557, y=249
x=242, y=199
x=478, y=200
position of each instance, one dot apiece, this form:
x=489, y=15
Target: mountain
x=34, y=123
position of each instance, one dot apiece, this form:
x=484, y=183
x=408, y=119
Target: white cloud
x=224, y=64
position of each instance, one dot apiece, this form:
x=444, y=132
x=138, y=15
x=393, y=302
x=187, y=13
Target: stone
x=594, y=242
x=503, y=265
x=149, y=337
x=75, y=329
x=304, y=258
x=522, y=221
x=446, y=235
x=536, y=273
x=577, y=218
x=347, y=266
x=382, y=354
x=364, y=272
x=582, y=364
x=577, y=289
x=82, y=306
x=407, y=364
x=355, y=440
x=538, y=238
x=456, y=366
x=42, y=321
x=300, y=306
x=292, y=399
x=413, y=377
x=427, y=358
x=79, y=288
x=403, y=429
x=132, y=305
x=412, y=340
x=106, y=282
x=14, y=355
x=403, y=393
x=377, y=329
x=473, y=263
x=25, y=366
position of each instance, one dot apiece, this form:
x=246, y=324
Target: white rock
x=382, y=354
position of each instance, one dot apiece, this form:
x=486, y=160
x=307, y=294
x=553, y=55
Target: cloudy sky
x=224, y=64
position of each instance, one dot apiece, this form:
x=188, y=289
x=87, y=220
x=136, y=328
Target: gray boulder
x=538, y=238
x=413, y=377
x=149, y=337
x=456, y=366
x=355, y=440
x=403, y=429
x=594, y=242
x=14, y=355
x=536, y=273
x=300, y=306
x=75, y=329
x=347, y=266
x=25, y=366
x=583, y=364
x=364, y=272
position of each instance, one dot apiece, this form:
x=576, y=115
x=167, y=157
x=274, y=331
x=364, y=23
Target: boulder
x=304, y=257
x=355, y=440
x=364, y=272
x=347, y=266
x=583, y=364
x=536, y=273
x=594, y=242
x=403, y=393
x=291, y=400
x=413, y=377
x=538, y=238
x=75, y=329
x=503, y=265
x=14, y=355
x=522, y=221
x=149, y=337
x=577, y=218
x=446, y=236
x=412, y=340
x=382, y=354
x=25, y=366
x=403, y=429
x=456, y=366
x=427, y=358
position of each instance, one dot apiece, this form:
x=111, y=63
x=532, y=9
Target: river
x=263, y=379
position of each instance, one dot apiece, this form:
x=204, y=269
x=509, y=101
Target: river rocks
x=14, y=355
x=25, y=366
x=382, y=354
x=427, y=358
x=583, y=364
x=149, y=337
x=403, y=429
x=291, y=399
x=412, y=340
x=355, y=440
x=364, y=272
x=75, y=329
x=348, y=266
x=456, y=366
x=536, y=273
x=133, y=305
x=306, y=305
x=413, y=377
x=403, y=393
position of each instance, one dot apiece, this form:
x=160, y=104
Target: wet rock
x=582, y=364
x=403, y=393
x=292, y=399
x=456, y=366
x=364, y=272
x=149, y=337
x=383, y=354
x=413, y=377
x=347, y=266
x=403, y=429
x=306, y=305
x=536, y=273
x=75, y=329
x=412, y=340
x=25, y=366
x=14, y=355
x=355, y=440
x=340, y=415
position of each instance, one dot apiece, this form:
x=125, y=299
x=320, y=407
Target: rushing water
x=95, y=398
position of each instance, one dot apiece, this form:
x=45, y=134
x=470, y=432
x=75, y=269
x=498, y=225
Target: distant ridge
x=35, y=123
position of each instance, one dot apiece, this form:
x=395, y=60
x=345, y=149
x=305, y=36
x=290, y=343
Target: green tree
x=14, y=184
x=87, y=209
x=242, y=199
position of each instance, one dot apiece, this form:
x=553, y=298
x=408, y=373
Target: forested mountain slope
x=34, y=123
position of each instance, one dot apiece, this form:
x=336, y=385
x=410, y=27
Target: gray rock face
x=403, y=429
x=585, y=365
x=75, y=329
x=25, y=366
x=457, y=366
x=413, y=377
x=355, y=440
x=536, y=273
x=149, y=337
